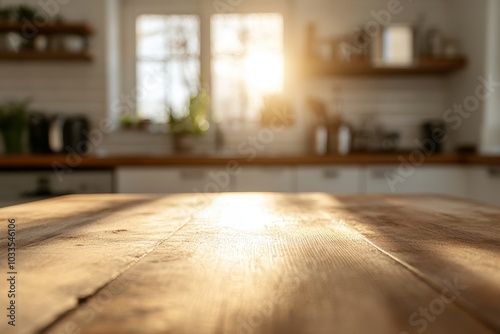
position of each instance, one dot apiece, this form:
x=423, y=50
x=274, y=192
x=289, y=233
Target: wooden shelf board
x=46, y=161
x=52, y=28
x=425, y=66
x=44, y=56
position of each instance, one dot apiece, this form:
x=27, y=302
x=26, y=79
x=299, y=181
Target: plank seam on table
x=287, y=250
x=461, y=303
x=82, y=300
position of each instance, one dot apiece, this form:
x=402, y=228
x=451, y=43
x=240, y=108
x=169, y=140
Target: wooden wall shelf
x=44, y=56
x=45, y=161
x=425, y=66
x=52, y=28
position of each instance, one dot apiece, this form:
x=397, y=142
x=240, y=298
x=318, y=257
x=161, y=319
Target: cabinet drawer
x=266, y=179
x=446, y=180
x=173, y=180
x=485, y=184
x=334, y=180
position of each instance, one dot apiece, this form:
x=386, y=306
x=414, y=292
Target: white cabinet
x=266, y=179
x=479, y=183
x=163, y=180
x=484, y=184
x=446, y=180
x=32, y=185
x=330, y=179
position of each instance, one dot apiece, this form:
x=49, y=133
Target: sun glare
x=264, y=72
x=244, y=212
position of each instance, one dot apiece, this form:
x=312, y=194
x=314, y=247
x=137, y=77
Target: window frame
x=204, y=9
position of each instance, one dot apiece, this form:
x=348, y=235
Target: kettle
x=68, y=134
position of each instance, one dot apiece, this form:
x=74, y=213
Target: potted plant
x=6, y=14
x=127, y=121
x=26, y=13
x=13, y=120
x=192, y=122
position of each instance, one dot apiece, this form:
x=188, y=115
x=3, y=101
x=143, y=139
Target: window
x=168, y=49
x=177, y=43
x=247, y=63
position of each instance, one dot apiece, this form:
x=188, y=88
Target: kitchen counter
x=253, y=263
x=48, y=161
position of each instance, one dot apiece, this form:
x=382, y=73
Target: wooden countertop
x=253, y=263
x=47, y=161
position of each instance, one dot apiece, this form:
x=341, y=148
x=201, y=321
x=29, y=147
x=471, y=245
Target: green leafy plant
x=6, y=14
x=194, y=121
x=128, y=121
x=27, y=13
x=13, y=115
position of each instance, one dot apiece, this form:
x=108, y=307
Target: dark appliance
x=433, y=133
x=68, y=134
x=75, y=134
x=38, y=129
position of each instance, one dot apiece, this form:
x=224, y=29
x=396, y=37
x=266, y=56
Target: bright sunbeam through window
x=264, y=72
x=247, y=63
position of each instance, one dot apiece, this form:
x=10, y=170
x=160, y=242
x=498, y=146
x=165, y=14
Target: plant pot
x=12, y=140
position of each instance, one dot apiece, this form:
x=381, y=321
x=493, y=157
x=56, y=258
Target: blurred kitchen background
x=150, y=96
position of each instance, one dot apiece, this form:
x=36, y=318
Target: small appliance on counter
x=434, y=131
x=56, y=141
x=75, y=132
x=372, y=136
x=57, y=134
x=65, y=134
x=38, y=129
x=390, y=142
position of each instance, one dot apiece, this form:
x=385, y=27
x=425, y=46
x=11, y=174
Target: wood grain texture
x=441, y=240
x=424, y=66
x=255, y=263
x=274, y=263
x=70, y=247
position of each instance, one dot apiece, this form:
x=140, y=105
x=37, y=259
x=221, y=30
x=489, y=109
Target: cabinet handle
x=330, y=173
x=192, y=174
x=494, y=172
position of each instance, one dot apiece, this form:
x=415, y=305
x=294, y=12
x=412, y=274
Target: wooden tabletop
x=252, y=263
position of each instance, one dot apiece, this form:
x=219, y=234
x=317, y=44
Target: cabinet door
x=173, y=180
x=485, y=184
x=266, y=179
x=334, y=180
x=26, y=186
x=445, y=180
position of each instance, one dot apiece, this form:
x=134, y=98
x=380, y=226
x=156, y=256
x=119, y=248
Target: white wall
x=491, y=120
x=469, y=24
